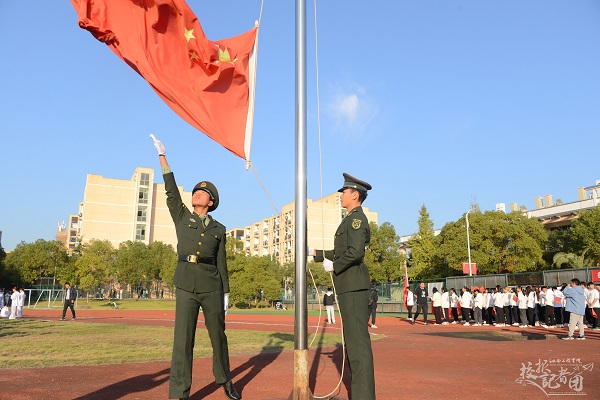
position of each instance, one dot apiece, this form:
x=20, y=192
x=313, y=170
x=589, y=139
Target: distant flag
x=405, y=286
x=208, y=84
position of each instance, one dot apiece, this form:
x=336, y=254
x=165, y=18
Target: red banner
x=466, y=268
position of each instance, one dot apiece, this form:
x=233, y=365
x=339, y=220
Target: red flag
x=405, y=286
x=209, y=84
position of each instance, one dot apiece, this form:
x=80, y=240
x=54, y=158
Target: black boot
x=230, y=391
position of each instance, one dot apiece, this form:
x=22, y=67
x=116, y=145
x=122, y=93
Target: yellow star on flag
x=193, y=55
x=224, y=55
x=188, y=34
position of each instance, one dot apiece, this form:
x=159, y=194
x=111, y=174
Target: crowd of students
x=521, y=306
x=12, y=303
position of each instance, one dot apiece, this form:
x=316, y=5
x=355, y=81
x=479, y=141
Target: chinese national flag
x=209, y=84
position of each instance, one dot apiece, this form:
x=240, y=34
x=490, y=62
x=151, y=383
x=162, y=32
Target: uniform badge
x=192, y=219
x=203, y=184
x=356, y=223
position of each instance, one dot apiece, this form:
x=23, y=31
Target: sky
x=439, y=103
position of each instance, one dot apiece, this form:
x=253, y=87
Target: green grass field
x=30, y=344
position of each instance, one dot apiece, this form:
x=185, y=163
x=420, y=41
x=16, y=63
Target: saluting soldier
x=352, y=284
x=201, y=280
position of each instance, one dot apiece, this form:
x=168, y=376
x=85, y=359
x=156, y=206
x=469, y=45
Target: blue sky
x=434, y=102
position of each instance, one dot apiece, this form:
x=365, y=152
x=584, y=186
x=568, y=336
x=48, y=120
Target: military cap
x=354, y=183
x=211, y=190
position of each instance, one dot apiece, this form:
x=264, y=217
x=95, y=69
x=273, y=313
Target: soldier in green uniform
x=201, y=280
x=352, y=284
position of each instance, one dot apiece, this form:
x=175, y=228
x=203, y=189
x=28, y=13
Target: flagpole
x=301, y=390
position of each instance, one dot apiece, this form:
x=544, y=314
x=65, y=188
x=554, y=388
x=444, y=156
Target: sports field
x=411, y=361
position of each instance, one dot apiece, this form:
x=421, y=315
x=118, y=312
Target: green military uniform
x=201, y=280
x=352, y=284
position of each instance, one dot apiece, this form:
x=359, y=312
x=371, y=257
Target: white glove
x=159, y=146
x=328, y=265
x=311, y=252
x=226, y=298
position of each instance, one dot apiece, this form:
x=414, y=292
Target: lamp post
x=468, y=241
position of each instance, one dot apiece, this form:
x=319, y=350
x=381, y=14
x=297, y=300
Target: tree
x=570, y=260
x=133, y=262
x=382, y=256
x=585, y=233
x=422, y=248
x=499, y=243
x=36, y=260
x=559, y=241
x=162, y=260
x=96, y=264
x=251, y=276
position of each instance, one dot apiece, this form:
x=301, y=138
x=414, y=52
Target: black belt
x=198, y=260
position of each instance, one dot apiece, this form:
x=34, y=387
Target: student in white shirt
x=593, y=302
x=436, y=302
x=507, y=312
x=445, y=306
x=477, y=308
x=549, y=307
x=21, y=303
x=489, y=304
x=530, y=293
x=540, y=306
x=559, y=299
x=453, y=300
x=514, y=307
x=5, y=312
x=14, y=301
x=499, y=306
x=410, y=302
x=465, y=304
x=522, y=304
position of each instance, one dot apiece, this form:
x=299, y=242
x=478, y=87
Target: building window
x=141, y=214
x=140, y=232
x=143, y=196
x=144, y=179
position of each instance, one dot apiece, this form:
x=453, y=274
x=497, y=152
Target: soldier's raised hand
x=159, y=146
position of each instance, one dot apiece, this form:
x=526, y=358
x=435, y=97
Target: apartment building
x=119, y=210
x=68, y=233
x=274, y=236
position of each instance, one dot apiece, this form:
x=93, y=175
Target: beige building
x=119, y=210
x=274, y=236
x=69, y=234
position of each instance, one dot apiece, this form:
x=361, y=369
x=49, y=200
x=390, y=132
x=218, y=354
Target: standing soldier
x=201, y=280
x=352, y=284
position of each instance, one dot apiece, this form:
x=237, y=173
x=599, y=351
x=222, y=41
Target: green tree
x=96, y=264
x=133, y=262
x=585, y=233
x=422, y=248
x=248, y=276
x=559, y=241
x=162, y=260
x=383, y=254
x=36, y=260
x=499, y=243
x=568, y=260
